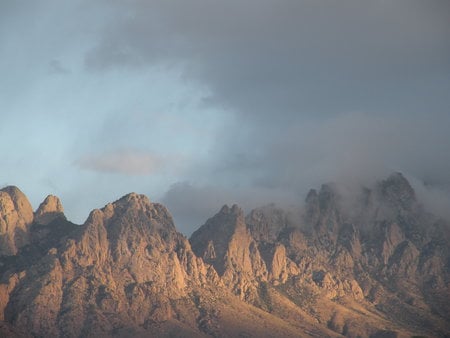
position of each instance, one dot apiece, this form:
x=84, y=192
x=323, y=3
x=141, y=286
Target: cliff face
x=225, y=242
x=379, y=269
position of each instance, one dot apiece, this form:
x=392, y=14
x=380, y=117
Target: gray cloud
x=344, y=145
x=293, y=58
x=191, y=204
x=435, y=198
x=319, y=91
x=56, y=67
x=352, y=149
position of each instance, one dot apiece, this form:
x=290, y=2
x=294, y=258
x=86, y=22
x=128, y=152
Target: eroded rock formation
x=377, y=268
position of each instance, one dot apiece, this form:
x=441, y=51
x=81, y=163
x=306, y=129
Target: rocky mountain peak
x=225, y=242
x=328, y=196
x=266, y=223
x=227, y=219
x=20, y=202
x=133, y=215
x=397, y=190
x=321, y=203
x=323, y=214
x=133, y=198
x=312, y=209
x=234, y=210
x=216, y=233
x=312, y=196
x=16, y=215
x=49, y=210
x=131, y=201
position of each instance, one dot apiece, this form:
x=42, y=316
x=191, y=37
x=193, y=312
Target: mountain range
x=374, y=265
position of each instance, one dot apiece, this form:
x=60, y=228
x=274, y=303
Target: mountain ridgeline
x=379, y=267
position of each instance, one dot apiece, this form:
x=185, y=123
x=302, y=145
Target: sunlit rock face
x=235, y=254
x=127, y=261
x=49, y=210
x=16, y=215
x=374, y=265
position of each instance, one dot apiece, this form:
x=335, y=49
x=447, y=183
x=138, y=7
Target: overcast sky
x=197, y=103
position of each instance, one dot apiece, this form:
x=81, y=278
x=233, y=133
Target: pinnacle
x=312, y=196
x=398, y=189
x=133, y=198
x=49, y=210
x=234, y=210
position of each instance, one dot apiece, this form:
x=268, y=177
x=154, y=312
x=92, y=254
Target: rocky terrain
x=375, y=265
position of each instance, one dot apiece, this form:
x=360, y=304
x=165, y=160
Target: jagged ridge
x=380, y=269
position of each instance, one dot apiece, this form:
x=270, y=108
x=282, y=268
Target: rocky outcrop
x=225, y=242
x=396, y=191
x=266, y=223
x=49, y=210
x=323, y=216
x=16, y=216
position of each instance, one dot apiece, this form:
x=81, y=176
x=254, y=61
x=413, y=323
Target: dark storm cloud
x=292, y=57
x=318, y=90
